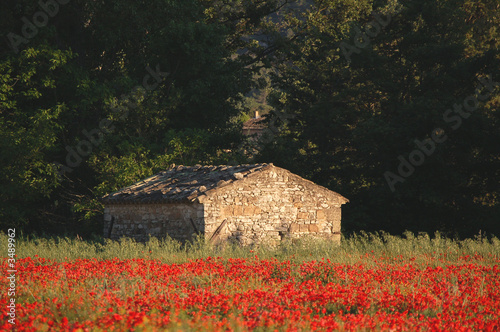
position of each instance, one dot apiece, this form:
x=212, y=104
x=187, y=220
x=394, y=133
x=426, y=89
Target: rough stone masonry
x=249, y=204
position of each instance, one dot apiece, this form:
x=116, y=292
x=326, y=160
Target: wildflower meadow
x=369, y=282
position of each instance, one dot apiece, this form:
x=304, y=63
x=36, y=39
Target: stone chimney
x=257, y=114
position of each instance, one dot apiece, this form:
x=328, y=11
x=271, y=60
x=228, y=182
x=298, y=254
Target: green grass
x=372, y=246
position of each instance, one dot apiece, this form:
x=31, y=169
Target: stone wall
x=266, y=207
x=141, y=220
x=270, y=206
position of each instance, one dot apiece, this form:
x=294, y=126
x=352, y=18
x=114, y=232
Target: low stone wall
x=139, y=221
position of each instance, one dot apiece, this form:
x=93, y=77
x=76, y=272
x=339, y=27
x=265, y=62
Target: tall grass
x=353, y=249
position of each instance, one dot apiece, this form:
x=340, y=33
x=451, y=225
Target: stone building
x=246, y=203
x=255, y=126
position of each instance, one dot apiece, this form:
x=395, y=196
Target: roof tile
x=182, y=183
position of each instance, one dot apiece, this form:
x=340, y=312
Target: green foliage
x=88, y=65
x=30, y=122
x=175, y=79
x=354, y=115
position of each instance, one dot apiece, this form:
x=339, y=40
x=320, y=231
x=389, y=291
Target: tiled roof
x=182, y=183
x=255, y=123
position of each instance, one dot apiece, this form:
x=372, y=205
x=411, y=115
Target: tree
x=96, y=95
x=368, y=86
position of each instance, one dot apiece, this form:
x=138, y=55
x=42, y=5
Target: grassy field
x=351, y=250
x=369, y=282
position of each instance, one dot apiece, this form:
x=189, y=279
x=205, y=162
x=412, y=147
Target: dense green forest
x=393, y=104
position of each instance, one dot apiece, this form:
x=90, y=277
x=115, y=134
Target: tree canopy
x=373, y=85
x=394, y=104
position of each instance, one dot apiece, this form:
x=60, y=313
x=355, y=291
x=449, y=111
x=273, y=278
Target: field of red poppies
x=223, y=294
